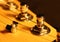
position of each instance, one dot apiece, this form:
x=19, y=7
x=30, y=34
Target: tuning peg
x=13, y=6
x=12, y=27
x=40, y=20
x=24, y=15
x=38, y=27
x=9, y=6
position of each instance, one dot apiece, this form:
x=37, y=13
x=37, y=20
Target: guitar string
x=5, y=17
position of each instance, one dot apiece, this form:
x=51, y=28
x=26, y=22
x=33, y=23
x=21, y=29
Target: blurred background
x=50, y=8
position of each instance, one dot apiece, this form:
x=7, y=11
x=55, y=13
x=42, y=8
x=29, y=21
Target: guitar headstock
x=21, y=32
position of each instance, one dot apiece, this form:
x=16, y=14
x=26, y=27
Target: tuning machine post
x=39, y=28
x=23, y=16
